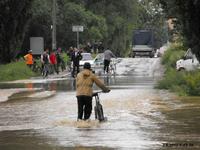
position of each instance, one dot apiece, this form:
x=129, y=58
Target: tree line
x=108, y=21
x=186, y=16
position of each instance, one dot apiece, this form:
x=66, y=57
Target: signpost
x=77, y=29
x=54, y=26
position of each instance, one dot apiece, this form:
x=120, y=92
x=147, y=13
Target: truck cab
x=143, y=42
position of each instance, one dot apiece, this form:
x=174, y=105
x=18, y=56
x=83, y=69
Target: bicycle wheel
x=45, y=70
x=99, y=112
x=95, y=112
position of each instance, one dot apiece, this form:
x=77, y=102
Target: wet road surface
x=139, y=116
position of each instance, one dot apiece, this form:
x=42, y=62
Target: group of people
x=75, y=55
x=50, y=63
x=84, y=79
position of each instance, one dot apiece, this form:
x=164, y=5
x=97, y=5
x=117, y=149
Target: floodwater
x=43, y=117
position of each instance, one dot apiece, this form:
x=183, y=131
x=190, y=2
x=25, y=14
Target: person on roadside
x=59, y=60
x=70, y=51
x=45, y=62
x=69, y=54
x=53, y=62
x=84, y=82
x=107, y=58
x=75, y=59
x=29, y=59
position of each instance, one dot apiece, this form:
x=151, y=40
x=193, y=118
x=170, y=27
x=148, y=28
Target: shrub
x=183, y=83
x=174, y=52
x=171, y=78
x=192, y=82
x=15, y=71
x=65, y=57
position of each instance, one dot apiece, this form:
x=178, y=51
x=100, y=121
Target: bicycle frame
x=98, y=108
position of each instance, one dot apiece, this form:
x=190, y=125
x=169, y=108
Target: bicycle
x=45, y=70
x=36, y=68
x=112, y=68
x=98, y=108
x=69, y=66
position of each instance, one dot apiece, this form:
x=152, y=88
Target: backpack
x=45, y=58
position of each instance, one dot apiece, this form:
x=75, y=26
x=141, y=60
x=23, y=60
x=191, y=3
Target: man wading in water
x=84, y=91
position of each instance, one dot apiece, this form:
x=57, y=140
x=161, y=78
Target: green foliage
x=192, y=83
x=186, y=14
x=65, y=57
x=40, y=24
x=171, y=79
x=181, y=82
x=15, y=71
x=151, y=17
x=108, y=21
x=174, y=52
x=14, y=16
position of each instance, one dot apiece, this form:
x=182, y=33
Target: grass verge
x=15, y=71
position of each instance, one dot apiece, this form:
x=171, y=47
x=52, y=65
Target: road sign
x=37, y=45
x=77, y=28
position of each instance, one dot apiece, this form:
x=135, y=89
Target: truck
x=143, y=43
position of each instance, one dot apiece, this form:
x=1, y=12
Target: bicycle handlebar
x=96, y=93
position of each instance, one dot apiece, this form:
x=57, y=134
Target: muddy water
x=139, y=117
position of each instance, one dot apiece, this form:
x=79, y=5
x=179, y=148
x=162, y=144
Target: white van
x=189, y=62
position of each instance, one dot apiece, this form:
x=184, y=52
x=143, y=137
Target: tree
x=14, y=16
x=40, y=24
x=187, y=14
x=120, y=19
x=151, y=17
x=70, y=14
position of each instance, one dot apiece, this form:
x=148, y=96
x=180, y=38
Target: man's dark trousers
x=84, y=106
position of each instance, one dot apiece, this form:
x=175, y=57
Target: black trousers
x=106, y=65
x=75, y=69
x=84, y=106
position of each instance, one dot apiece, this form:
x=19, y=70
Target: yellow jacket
x=84, y=83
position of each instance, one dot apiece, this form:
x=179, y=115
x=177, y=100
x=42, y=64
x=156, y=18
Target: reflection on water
x=139, y=117
x=69, y=84
x=110, y=80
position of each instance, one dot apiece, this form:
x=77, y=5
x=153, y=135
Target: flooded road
x=43, y=114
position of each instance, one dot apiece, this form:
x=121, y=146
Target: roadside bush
x=15, y=71
x=192, y=82
x=171, y=79
x=181, y=82
x=174, y=52
x=65, y=57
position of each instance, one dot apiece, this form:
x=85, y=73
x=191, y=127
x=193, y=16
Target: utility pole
x=54, y=26
x=77, y=39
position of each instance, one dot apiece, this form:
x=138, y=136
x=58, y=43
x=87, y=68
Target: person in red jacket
x=53, y=62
